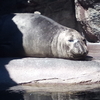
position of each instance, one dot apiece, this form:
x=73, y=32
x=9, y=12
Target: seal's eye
x=71, y=40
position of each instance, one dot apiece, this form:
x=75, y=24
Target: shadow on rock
x=10, y=38
x=6, y=82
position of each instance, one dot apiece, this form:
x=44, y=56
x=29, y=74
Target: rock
x=14, y=71
x=88, y=15
x=58, y=10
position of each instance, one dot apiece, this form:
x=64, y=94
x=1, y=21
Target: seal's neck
x=59, y=47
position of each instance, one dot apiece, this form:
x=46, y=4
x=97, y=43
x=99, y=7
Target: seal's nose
x=81, y=49
x=85, y=53
x=77, y=44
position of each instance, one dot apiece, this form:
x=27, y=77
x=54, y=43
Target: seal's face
x=77, y=46
x=72, y=45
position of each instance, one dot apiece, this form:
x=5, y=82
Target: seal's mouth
x=81, y=56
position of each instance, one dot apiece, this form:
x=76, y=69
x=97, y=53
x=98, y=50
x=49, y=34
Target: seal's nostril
x=86, y=52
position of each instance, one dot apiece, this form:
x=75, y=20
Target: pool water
x=52, y=92
x=9, y=95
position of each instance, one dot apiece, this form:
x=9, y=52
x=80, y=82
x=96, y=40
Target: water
x=79, y=92
x=4, y=95
x=63, y=96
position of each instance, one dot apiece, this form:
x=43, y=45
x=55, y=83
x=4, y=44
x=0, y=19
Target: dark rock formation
x=61, y=11
x=88, y=14
x=87, y=3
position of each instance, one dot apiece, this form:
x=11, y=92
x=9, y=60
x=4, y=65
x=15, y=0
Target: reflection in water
x=5, y=95
x=63, y=96
x=50, y=96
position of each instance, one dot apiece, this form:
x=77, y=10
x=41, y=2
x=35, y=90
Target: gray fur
x=38, y=36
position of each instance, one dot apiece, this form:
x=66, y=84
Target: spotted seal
x=35, y=35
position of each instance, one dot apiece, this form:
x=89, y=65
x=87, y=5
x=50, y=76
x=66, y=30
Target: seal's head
x=70, y=44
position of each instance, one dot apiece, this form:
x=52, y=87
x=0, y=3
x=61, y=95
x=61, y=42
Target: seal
x=35, y=35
